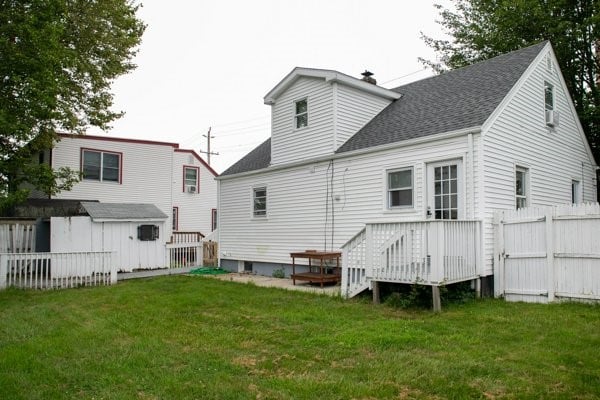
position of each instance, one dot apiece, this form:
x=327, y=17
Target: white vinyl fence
x=56, y=270
x=547, y=254
x=184, y=250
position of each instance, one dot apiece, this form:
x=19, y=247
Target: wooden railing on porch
x=428, y=252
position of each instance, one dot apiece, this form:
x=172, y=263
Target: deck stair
x=428, y=252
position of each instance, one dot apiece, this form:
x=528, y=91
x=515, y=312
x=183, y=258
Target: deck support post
x=437, y=301
x=478, y=288
x=376, y=294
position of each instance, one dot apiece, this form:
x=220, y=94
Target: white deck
x=425, y=252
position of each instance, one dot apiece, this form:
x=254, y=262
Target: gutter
x=346, y=154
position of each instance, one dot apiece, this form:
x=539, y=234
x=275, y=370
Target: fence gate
x=546, y=253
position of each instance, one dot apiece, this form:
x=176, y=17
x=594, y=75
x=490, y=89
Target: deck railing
x=428, y=252
x=56, y=270
x=184, y=250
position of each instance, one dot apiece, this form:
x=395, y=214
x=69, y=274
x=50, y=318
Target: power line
x=405, y=76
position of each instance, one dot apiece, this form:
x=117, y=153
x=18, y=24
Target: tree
x=481, y=29
x=58, y=59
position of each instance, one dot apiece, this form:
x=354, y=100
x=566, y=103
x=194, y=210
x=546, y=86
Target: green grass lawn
x=196, y=337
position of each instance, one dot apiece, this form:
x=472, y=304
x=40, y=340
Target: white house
x=406, y=180
x=118, y=170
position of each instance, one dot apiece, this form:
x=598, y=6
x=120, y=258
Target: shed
x=134, y=232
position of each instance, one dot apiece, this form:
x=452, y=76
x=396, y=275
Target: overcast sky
x=209, y=63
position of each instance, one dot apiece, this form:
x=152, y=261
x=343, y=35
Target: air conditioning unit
x=191, y=189
x=551, y=118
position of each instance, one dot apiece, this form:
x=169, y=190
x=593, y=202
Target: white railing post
x=498, y=254
x=113, y=267
x=369, y=251
x=437, y=251
x=550, y=254
x=3, y=270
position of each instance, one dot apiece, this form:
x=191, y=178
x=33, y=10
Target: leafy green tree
x=58, y=59
x=481, y=29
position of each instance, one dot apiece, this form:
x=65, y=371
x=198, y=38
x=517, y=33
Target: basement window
x=147, y=232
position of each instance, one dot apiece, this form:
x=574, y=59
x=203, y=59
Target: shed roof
x=455, y=100
x=123, y=211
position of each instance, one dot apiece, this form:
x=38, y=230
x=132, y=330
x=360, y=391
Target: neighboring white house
x=118, y=170
x=405, y=181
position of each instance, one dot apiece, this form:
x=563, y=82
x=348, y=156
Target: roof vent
x=367, y=77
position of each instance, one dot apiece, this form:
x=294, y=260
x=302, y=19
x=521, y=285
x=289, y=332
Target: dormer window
x=301, y=114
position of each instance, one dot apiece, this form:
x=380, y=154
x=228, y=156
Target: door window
x=445, y=190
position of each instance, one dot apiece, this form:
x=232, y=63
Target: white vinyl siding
x=194, y=210
x=141, y=182
x=159, y=182
x=298, y=222
x=519, y=136
x=335, y=112
x=354, y=109
x=290, y=144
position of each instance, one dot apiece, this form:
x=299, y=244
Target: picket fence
x=56, y=270
x=547, y=254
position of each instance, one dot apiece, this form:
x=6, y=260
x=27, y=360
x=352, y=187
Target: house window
x=259, y=196
x=575, y=192
x=101, y=166
x=175, y=218
x=549, y=96
x=301, y=115
x=521, y=187
x=190, y=179
x=213, y=219
x=400, y=188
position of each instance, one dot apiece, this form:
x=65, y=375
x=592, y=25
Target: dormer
x=314, y=112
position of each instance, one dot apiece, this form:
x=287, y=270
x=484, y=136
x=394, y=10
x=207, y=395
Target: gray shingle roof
x=455, y=100
x=458, y=99
x=122, y=211
x=258, y=158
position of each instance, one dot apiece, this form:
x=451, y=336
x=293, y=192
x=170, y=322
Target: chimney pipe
x=367, y=77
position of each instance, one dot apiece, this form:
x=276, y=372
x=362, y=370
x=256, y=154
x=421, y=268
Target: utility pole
x=208, y=152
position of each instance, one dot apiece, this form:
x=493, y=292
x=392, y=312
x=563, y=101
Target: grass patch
x=192, y=337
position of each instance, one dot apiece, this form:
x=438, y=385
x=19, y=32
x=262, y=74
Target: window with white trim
x=259, y=201
x=400, y=188
x=190, y=179
x=101, y=166
x=575, y=191
x=521, y=187
x=548, y=96
x=301, y=113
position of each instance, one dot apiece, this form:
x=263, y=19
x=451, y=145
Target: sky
x=208, y=64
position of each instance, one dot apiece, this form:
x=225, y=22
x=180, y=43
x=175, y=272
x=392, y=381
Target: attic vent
x=368, y=77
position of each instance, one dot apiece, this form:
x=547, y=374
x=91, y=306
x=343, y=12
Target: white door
x=445, y=196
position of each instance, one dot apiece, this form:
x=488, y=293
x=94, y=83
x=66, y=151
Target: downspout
x=471, y=145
